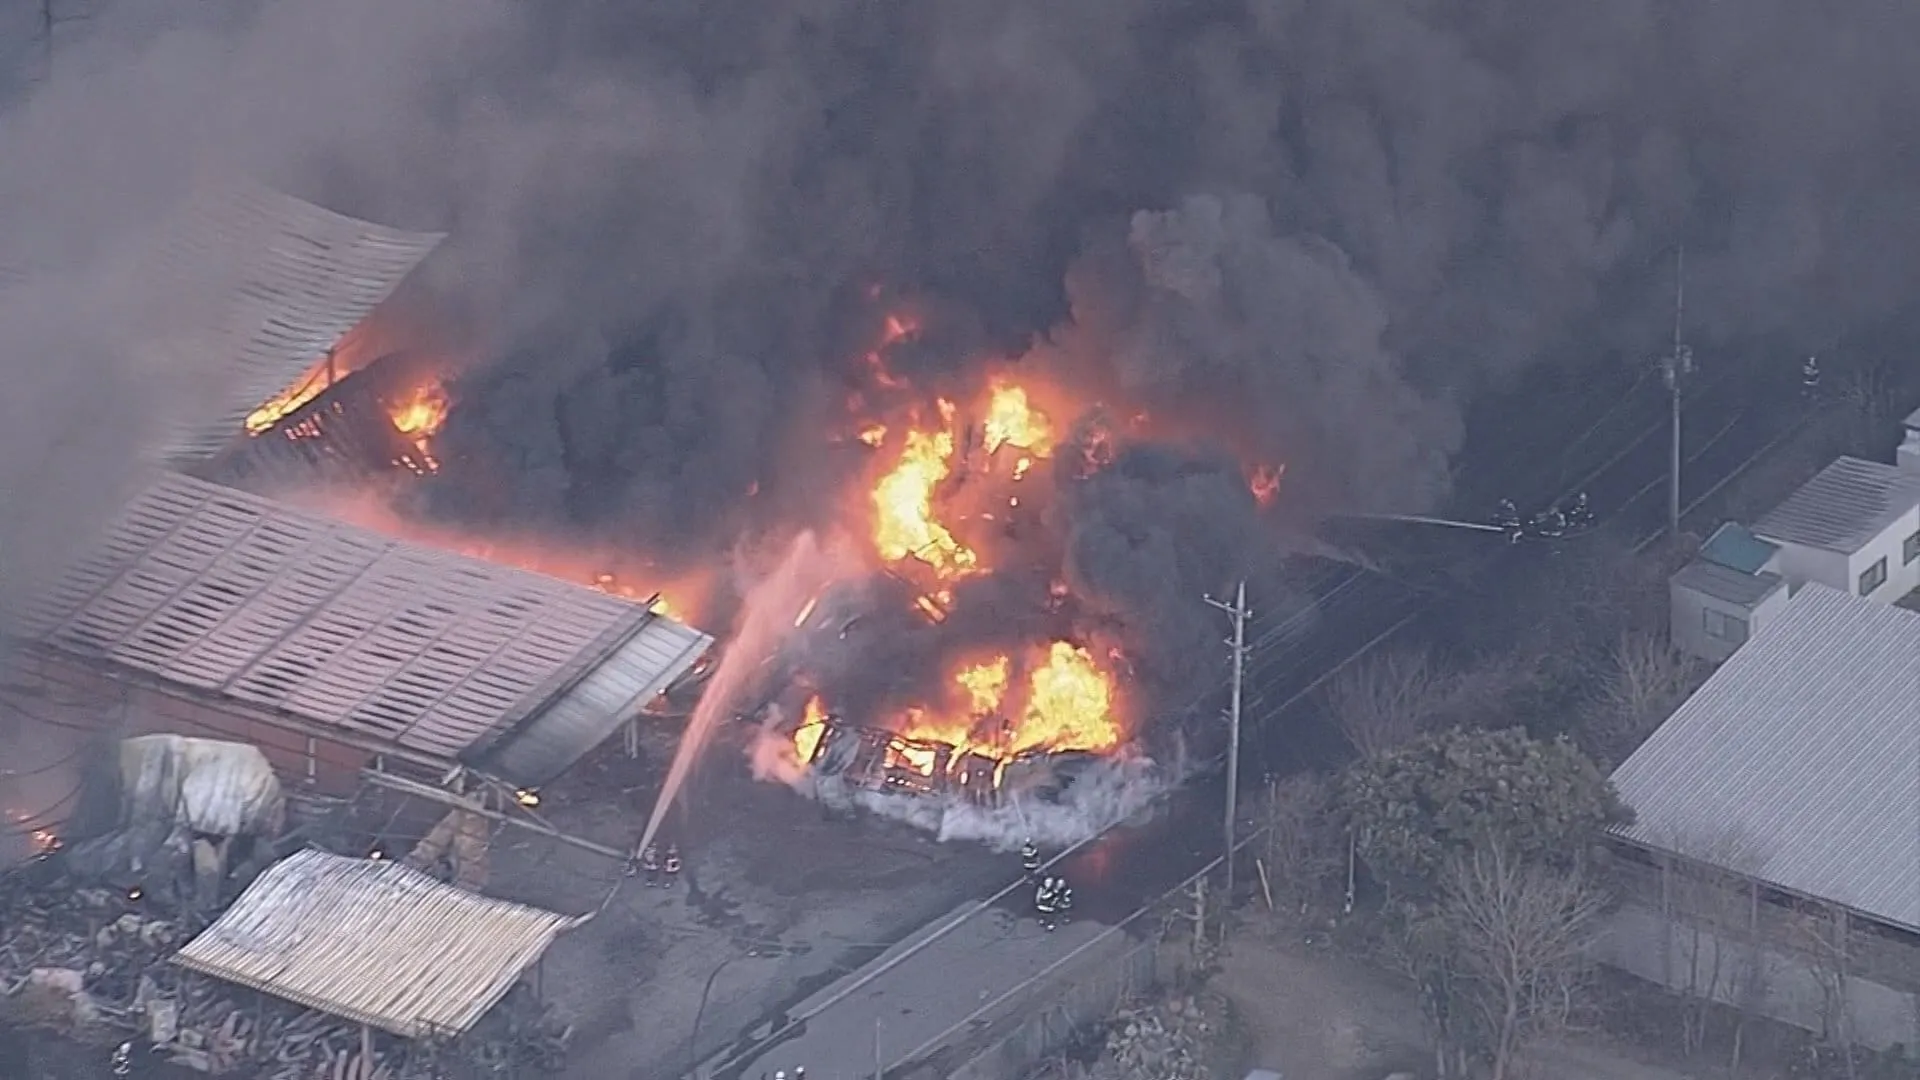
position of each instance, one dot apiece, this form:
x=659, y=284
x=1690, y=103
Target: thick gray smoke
x=1320, y=227
x=1337, y=222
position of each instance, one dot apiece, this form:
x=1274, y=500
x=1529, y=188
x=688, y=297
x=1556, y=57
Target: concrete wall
x=1800, y=564
x=1902, y=577
x=1689, y=629
x=1766, y=980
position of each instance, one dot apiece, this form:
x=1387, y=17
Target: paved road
x=918, y=996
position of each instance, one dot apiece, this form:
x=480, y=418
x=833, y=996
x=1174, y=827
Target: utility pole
x=1239, y=613
x=1675, y=366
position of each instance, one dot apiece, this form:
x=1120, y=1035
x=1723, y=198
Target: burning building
x=212, y=612
x=266, y=286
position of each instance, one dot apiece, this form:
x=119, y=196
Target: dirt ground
x=1314, y=1014
x=777, y=900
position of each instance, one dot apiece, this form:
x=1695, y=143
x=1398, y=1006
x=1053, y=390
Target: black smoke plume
x=1318, y=230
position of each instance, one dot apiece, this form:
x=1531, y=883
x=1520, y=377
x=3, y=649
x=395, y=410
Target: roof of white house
x=375, y=942
x=292, y=615
x=265, y=284
x=1844, y=507
x=1740, y=589
x=1798, y=762
x=1734, y=546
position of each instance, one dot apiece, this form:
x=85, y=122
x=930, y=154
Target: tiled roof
x=1798, y=762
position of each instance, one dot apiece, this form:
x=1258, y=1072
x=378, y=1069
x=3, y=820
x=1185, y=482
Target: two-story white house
x=1855, y=527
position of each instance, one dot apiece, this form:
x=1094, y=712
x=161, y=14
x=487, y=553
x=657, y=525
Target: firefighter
x=1046, y=901
x=1550, y=524
x=1810, y=376
x=1507, y=517
x=672, y=866
x=122, y=1060
x=1029, y=859
x=1065, y=893
x=650, y=864
x=1580, y=515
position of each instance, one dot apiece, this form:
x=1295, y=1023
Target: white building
x=1773, y=863
x=1855, y=527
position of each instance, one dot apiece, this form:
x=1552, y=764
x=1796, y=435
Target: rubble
x=1167, y=1039
x=92, y=963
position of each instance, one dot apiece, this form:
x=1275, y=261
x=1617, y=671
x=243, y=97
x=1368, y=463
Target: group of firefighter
x=1052, y=896
x=660, y=872
x=1550, y=524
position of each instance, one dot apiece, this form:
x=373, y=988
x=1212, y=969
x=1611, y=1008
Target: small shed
x=374, y=942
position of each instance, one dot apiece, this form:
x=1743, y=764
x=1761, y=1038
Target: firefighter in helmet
x=1580, y=514
x=1046, y=902
x=650, y=864
x=672, y=866
x=1507, y=517
x=1029, y=859
x=1810, y=376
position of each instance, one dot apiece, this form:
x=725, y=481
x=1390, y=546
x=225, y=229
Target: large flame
x=1065, y=703
x=903, y=520
x=1264, y=482
x=1069, y=705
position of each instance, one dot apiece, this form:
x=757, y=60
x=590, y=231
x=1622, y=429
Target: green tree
x=1449, y=793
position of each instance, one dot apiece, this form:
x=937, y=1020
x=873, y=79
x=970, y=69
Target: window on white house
x=1724, y=627
x=1873, y=576
x=1910, y=550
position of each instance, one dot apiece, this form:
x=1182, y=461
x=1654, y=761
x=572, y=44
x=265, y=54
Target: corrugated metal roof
x=582, y=717
x=1731, y=586
x=239, y=597
x=1849, y=503
x=374, y=942
x=1798, y=763
x=270, y=283
x=1734, y=546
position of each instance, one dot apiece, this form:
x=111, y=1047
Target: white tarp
x=204, y=785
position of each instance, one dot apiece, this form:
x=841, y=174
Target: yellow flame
x=985, y=685
x=1013, y=421
x=904, y=525
x=813, y=725
x=1069, y=705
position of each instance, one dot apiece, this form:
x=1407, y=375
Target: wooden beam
x=445, y=798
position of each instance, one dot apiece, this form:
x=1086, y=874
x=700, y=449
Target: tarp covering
x=188, y=816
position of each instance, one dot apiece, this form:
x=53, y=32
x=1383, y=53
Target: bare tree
x=1518, y=934
x=1821, y=933
x=1302, y=850
x=1713, y=910
x=1387, y=699
x=1646, y=679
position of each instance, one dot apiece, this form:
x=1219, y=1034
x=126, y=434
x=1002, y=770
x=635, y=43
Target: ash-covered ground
x=776, y=900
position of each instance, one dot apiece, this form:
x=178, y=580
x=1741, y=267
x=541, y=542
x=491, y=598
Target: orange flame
x=1069, y=705
x=421, y=413
x=1264, y=482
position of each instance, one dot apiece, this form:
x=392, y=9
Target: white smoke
x=1107, y=793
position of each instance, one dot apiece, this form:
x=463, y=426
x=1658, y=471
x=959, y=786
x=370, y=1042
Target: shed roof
x=375, y=942
x=294, y=615
x=269, y=284
x=1734, y=546
x=1843, y=507
x=1798, y=762
x=1731, y=586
